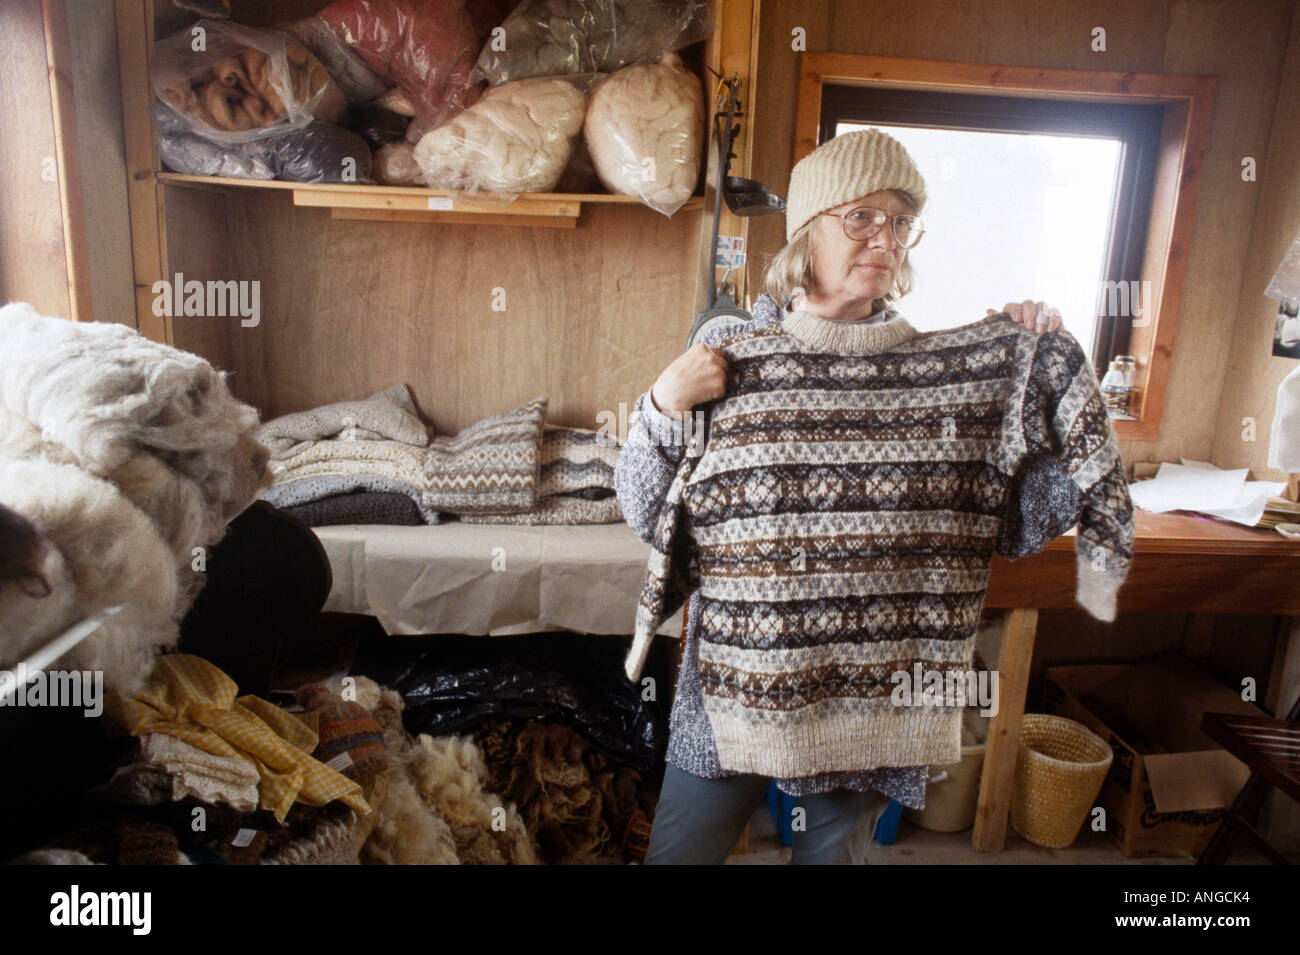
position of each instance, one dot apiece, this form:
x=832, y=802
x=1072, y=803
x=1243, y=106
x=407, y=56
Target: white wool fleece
x=101, y=551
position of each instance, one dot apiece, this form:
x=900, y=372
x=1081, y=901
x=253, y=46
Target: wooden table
x=1182, y=563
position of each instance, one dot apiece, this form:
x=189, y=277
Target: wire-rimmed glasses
x=862, y=222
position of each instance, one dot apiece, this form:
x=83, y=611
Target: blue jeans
x=698, y=821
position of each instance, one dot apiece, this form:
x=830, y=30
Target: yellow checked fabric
x=189, y=698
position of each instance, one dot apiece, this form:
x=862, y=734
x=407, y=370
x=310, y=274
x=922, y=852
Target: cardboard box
x=1169, y=785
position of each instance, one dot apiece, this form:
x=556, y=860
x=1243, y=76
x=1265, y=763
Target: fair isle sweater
x=839, y=526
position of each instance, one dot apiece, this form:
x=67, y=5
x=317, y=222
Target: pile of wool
x=431, y=806
x=579, y=806
x=128, y=458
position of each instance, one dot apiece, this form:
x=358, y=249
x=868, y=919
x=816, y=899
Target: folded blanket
x=576, y=484
x=358, y=507
x=490, y=467
x=557, y=509
x=389, y=414
x=298, y=492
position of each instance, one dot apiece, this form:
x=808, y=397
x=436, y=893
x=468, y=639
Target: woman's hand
x=699, y=374
x=1035, y=316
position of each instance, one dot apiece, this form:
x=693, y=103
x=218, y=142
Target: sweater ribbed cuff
x=1097, y=590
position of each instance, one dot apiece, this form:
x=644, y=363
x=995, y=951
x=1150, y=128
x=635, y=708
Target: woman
x=852, y=216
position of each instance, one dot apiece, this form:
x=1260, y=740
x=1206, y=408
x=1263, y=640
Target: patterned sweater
x=840, y=521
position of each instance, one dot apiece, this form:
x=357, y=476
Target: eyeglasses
x=865, y=221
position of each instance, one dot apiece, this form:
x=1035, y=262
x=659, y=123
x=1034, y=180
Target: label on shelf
x=440, y=203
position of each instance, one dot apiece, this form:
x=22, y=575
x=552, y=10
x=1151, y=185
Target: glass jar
x=1116, y=390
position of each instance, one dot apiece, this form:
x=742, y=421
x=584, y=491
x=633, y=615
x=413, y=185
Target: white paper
x=1202, y=487
x=1181, y=488
x=497, y=579
x=1248, y=508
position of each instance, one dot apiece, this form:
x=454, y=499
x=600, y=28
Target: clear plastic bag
x=359, y=83
x=427, y=47
x=645, y=131
x=235, y=84
x=557, y=37
x=181, y=150
x=517, y=138
x=319, y=152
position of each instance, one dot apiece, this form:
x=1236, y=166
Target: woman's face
x=849, y=275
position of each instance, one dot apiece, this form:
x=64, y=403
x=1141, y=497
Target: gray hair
x=791, y=269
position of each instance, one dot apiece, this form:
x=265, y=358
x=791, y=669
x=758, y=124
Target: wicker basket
x=1059, y=772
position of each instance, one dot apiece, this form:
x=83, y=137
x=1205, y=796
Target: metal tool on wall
x=744, y=197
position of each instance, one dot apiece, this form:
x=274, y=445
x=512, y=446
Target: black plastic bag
x=451, y=683
x=320, y=152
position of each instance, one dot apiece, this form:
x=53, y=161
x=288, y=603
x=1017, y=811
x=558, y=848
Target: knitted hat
x=848, y=167
x=344, y=727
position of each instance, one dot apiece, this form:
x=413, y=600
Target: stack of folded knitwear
x=374, y=461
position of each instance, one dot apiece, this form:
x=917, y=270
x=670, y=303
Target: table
x=1182, y=563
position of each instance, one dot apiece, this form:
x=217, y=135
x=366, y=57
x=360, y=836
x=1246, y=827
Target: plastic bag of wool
x=123, y=455
x=246, y=84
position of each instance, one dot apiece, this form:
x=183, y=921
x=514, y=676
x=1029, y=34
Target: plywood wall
x=1252, y=374
x=97, y=101
x=33, y=257
x=65, y=246
x=1244, y=44
x=348, y=307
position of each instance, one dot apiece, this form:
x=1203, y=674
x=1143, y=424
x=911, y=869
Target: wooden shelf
x=554, y=210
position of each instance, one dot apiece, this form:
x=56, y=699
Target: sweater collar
x=852, y=338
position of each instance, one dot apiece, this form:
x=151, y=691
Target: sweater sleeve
x=646, y=465
x=654, y=449
x=1064, y=418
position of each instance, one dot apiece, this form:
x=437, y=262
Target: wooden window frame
x=1187, y=102
x=1136, y=127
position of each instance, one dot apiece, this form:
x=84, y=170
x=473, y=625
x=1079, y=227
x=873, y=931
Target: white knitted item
x=848, y=167
x=389, y=414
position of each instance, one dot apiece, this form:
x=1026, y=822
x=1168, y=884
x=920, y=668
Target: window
x=1027, y=198
x=1153, y=190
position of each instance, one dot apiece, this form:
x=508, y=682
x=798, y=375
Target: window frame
x=1173, y=168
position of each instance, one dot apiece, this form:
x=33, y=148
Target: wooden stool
x=1271, y=749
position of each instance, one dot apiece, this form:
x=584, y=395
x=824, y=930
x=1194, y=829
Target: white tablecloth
x=496, y=579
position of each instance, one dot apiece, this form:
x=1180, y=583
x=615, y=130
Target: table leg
x=1018, y=630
